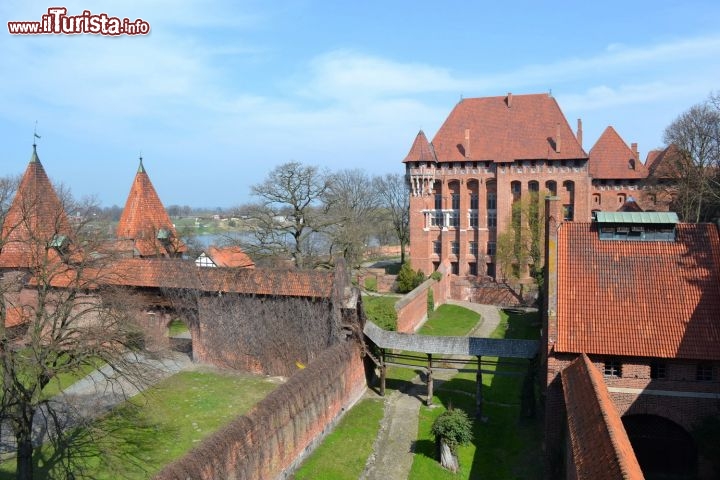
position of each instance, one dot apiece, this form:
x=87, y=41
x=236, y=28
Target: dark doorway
x=662, y=447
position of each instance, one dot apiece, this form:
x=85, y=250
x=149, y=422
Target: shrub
x=381, y=310
x=437, y=276
x=407, y=279
x=454, y=428
x=430, y=301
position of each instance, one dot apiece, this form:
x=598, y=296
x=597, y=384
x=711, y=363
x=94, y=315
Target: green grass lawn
x=506, y=446
x=155, y=429
x=177, y=327
x=345, y=451
x=450, y=321
x=381, y=310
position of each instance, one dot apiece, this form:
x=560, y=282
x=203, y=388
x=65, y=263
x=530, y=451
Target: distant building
x=233, y=257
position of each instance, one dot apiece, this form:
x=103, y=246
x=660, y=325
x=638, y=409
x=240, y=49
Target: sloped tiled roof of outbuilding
x=639, y=298
x=666, y=163
x=421, y=150
x=506, y=128
x=601, y=449
x=230, y=256
x=610, y=158
x=35, y=216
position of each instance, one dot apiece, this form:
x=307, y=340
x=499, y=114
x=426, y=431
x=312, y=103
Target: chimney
x=636, y=154
x=557, y=139
x=579, y=132
x=508, y=100
x=467, y=143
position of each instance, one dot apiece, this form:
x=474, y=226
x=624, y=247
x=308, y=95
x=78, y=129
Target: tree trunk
x=24, y=465
x=402, y=252
x=448, y=460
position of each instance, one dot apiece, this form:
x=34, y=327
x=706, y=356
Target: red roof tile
x=144, y=216
x=639, y=298
x=170, y=273
x=611, y=158
x=34, y=218
x=421, y=150
x=503, y=129
x=232, y=256
x=600, y=446
x=665, y=164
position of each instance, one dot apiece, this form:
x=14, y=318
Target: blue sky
x=222, y=91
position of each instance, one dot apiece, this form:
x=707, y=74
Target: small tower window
x=631, y=164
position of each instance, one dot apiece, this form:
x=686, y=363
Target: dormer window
x=60, y=243
x=631, y=164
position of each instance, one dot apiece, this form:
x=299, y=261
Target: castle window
x=491, y=246
x=473, y=268
x=704, y=372
x=492, y=219
x=436, y=220
x=658, y=370
x=474, y=219
x=631, y=164
x=438, y=201
x=491, y=201
x=455, y=201
x=437, y=247
x=473, y=248
x=455, y=268
x=454, y=248
x=474, y=201
x=453, y=219
x=612, y=368
x=621, y=198
x=596, y=198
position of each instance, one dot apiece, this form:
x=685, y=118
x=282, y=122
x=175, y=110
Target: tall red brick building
x=493, y=151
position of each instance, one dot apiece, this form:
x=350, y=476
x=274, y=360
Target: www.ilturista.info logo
x=57, y=21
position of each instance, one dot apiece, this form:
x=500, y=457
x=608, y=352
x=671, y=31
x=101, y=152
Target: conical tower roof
x=34, y=219
x=421, y=150
x=145, y=220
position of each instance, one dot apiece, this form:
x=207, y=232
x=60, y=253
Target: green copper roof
x=637, y=217
x=141, y=169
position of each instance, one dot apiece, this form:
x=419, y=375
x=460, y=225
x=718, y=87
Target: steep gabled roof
x=145, y=220
x=503, y=129
x=665, y=164
x=35, y=217
x=611, y=158
x=600, y=446
x=421, y=150
x=639, y=298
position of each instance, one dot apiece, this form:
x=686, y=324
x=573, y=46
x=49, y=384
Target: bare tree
x=352, y=206
x=57, y=320
x=696, y=182
x=394, y=195
x=289, y=210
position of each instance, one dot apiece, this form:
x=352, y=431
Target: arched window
x=631, y=164
x=596, y=199
x=551, y=186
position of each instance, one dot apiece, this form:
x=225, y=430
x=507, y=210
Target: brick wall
x=412, y=308
x=279, y=431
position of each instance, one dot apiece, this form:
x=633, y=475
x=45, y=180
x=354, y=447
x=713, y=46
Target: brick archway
x=663, y=448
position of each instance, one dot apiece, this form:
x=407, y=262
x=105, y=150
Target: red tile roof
x=600, y=446
x=639, y=298
x=503, y=129
x=232, y=256
x=171, y=273
x=34, y=218
x=144, y=216
x=421, y=150
x=665, y=164
x=610, y=158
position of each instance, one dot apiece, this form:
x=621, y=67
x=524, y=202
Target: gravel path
x=94, y=395
x=394, y=446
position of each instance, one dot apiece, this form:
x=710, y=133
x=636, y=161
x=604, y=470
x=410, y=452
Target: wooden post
x=478, y=389
x=383, y=372
x=429, y=381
